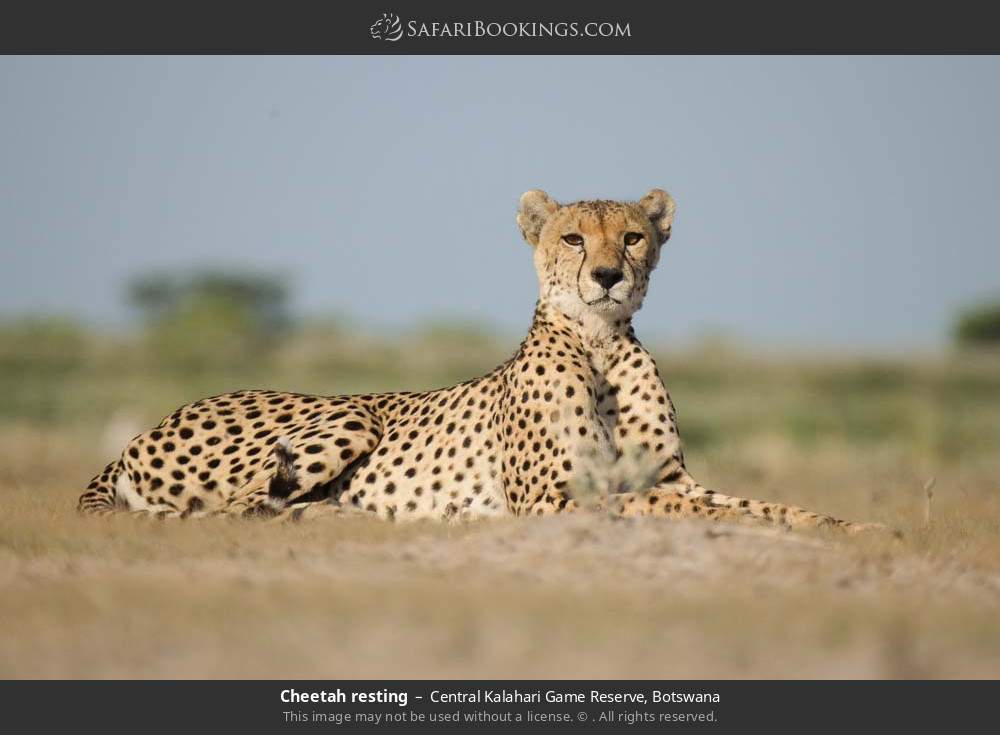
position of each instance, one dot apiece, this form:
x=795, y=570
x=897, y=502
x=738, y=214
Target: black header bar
x=510, y=27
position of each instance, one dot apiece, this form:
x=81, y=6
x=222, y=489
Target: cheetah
x=580, y=390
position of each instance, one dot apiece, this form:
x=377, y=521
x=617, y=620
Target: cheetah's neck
x=599, y=335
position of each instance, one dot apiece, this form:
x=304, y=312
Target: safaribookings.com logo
x=390, y=28
x=387, y=28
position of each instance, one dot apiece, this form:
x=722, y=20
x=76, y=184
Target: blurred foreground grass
x=566, y=597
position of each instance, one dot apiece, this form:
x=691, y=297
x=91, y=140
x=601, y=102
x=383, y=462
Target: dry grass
x=562, y=597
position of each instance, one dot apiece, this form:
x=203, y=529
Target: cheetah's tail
x=101, y=497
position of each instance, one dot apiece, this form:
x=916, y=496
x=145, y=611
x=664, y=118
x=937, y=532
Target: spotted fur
x=581, y=389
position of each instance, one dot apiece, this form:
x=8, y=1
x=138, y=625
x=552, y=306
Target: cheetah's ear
x=659, y=207
x=534, y=209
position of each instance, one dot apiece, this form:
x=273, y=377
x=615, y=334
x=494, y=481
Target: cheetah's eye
x=632, y=238
x=573, y=239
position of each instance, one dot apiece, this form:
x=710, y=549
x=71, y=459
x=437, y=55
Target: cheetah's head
x=595, y=256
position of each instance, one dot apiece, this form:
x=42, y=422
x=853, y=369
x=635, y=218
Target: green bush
x=979, y=326
x=42, y=343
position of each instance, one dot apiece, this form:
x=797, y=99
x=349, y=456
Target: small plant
x=599, y=476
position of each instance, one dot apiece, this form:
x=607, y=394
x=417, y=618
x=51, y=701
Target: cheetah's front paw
x=876, y=529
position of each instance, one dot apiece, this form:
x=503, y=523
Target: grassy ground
x=563, y=597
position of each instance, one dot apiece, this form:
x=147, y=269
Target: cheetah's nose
x=607, y=277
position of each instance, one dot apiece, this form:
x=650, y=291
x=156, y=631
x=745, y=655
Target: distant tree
x=209, y=318
x=979, y=326
x=261, y=298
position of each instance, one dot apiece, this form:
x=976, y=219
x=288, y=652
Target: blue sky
x=843, y=201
